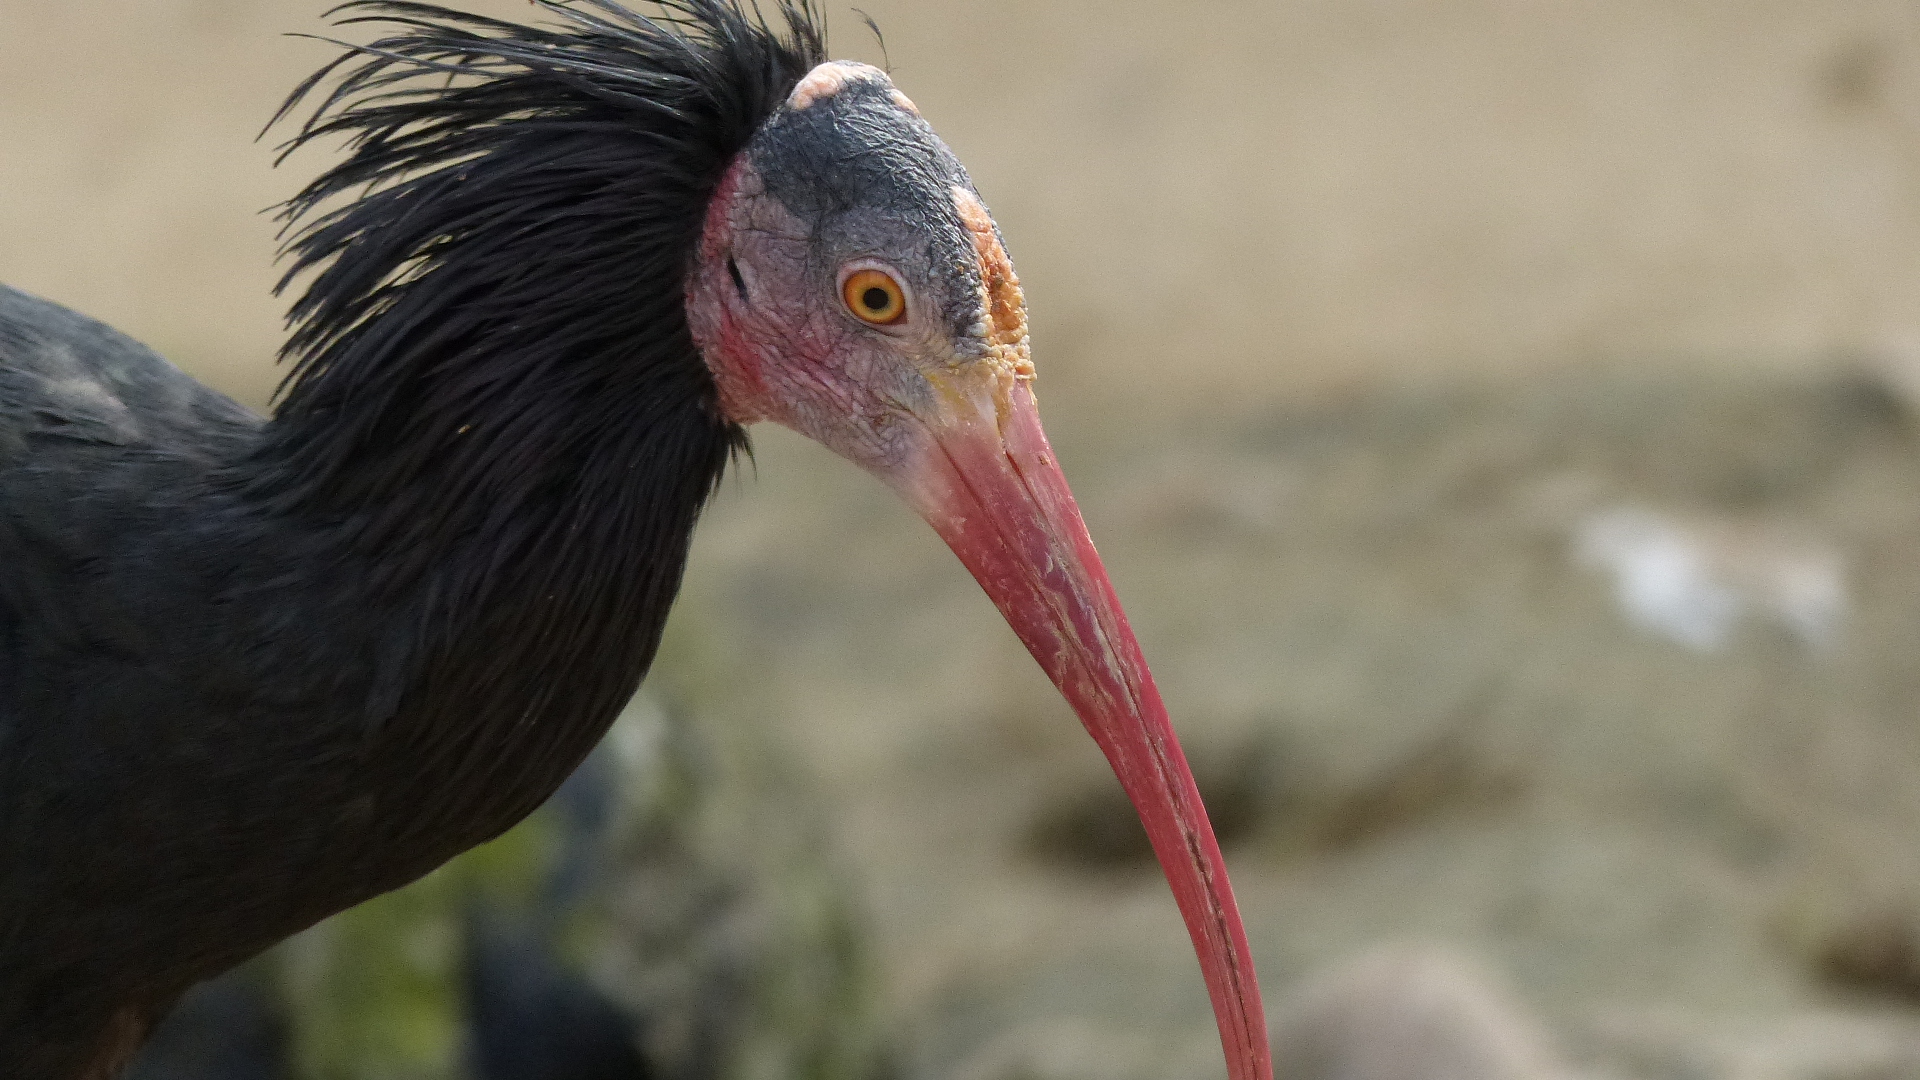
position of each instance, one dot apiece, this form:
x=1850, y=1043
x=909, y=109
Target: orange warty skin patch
x=833, y=76
x=829, y=79
x=1001, y=299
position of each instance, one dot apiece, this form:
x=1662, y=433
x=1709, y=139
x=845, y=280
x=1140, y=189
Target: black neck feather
x=496, y=409
x=499, y=298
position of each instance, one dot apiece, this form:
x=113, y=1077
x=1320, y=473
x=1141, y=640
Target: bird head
x=850, y=284
x=554, y=237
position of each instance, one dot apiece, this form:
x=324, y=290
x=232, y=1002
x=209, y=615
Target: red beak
x=986, y=480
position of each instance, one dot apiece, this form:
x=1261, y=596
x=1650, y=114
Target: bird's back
x=68, y=382
x=95, y=429
x=88, y=418
x=90, y=422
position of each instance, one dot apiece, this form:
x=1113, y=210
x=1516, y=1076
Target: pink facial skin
x=948, y=420
x=789, y=351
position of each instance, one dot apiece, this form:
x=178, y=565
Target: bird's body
x=253, y=671
x=101, y=445
x=296, y=715
x=258, y=670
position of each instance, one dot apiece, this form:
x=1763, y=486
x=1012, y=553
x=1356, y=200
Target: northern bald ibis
x=254, y=671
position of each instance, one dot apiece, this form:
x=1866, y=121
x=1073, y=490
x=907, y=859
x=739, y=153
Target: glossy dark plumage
x=252, y=672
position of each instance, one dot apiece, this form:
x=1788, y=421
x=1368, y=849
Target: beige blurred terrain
x=1498, y=416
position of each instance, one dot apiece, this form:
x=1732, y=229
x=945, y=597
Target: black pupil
x=876, y=299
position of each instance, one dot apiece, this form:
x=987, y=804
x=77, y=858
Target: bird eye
x=874, y=296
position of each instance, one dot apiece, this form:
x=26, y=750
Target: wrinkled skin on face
x=853, y=178
x=847, y=179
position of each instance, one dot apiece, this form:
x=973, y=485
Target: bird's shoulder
x=69, y=379
x=99, y=436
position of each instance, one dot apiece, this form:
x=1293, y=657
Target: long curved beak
x=986, y=480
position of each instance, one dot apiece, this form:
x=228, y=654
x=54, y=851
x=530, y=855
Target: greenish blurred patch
x=374, y=993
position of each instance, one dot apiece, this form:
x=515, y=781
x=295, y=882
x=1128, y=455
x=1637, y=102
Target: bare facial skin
x=785, y=348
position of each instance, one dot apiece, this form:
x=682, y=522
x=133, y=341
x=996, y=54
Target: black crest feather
x=505, y=242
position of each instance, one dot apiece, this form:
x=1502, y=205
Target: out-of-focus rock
x=1409, y=1013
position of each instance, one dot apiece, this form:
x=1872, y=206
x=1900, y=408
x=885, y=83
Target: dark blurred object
x=231, y=1028
x=1289, y=801
x=1445, y=775
x=1877, y=952
x=1095, y=827
x=529, y=1018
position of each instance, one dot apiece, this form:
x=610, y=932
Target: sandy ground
x=1356, y=322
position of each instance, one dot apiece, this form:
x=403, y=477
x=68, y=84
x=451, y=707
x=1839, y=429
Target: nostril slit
x=733, y=271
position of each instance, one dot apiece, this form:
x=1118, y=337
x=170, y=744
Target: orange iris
x=874, y=296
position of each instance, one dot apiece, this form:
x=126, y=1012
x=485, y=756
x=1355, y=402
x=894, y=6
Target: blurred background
x=1499, y=417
